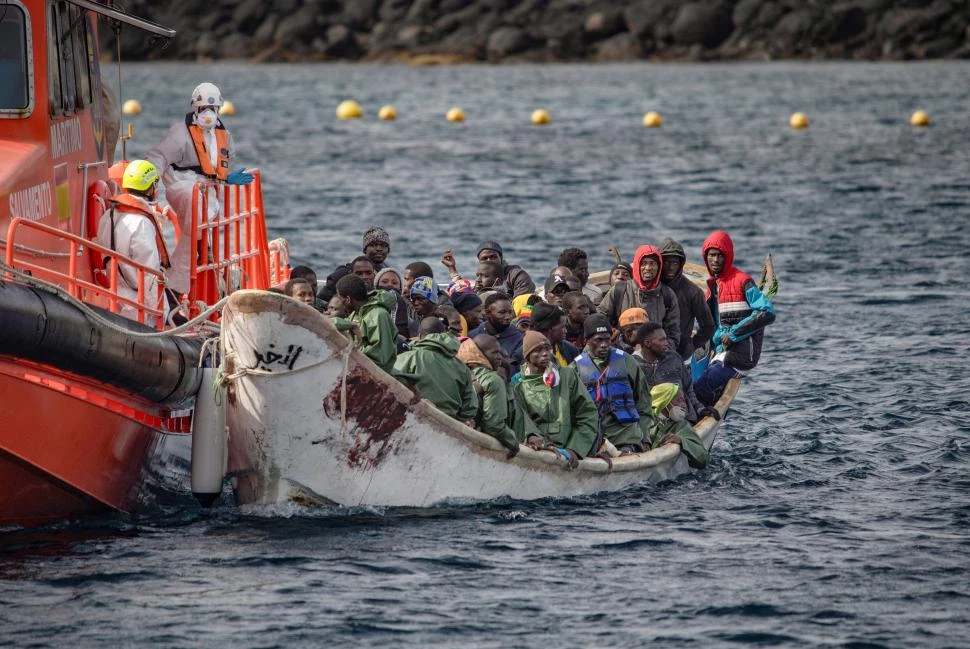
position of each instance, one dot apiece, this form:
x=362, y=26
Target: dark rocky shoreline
x=452, y=31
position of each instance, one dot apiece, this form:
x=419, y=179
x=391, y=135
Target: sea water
x=835, y=510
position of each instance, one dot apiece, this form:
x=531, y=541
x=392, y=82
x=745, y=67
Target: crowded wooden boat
x=127, y=320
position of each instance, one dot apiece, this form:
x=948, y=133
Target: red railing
x=232, y=250
x=149, y=308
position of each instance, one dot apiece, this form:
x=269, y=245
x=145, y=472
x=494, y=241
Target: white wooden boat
x=314, y=421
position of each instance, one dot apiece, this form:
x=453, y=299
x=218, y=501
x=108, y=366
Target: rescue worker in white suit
x=130, y=228
x=196, y=150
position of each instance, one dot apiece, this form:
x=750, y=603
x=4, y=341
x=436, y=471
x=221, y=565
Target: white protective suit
x=134, y=237
x=177, y=150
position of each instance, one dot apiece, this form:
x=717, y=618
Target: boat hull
x=299, y=432
x=70, y=446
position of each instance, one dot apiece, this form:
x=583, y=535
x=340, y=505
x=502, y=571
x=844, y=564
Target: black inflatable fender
x=42, y=327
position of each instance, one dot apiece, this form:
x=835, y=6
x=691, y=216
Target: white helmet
x=206, y=94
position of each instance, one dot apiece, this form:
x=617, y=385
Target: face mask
x=676, y=413
x=206, y=119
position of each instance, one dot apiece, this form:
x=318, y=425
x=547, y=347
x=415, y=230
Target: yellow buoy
x=540, y=116
x=131, y=107
x=228, y=108
x=455, y=115
x=387, y=113
x=920, y=118
x=349, y=109
x=798, y=120
x=652, y=120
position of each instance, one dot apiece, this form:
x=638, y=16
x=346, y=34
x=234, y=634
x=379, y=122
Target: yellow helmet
x=140, y=175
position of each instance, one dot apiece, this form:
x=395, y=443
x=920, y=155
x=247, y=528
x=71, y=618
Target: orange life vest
x=127, y=203
x=221, y=170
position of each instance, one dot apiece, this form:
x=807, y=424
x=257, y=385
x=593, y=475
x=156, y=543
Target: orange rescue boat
x=88, y=398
